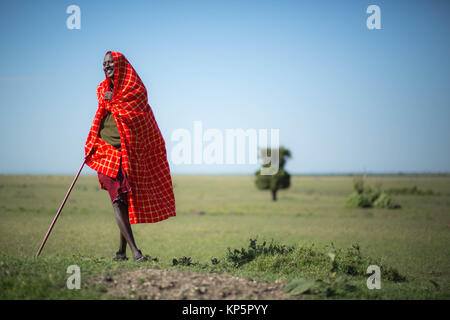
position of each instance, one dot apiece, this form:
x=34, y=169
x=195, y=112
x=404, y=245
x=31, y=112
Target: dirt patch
x=157, y=284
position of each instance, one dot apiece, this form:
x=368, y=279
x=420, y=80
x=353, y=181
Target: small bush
x=243, y=256
x=367, y=197
x=358, y=200
x=358, y=184
x=385, y=201
x=184, y=261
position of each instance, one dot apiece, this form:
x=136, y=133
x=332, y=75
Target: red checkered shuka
x=144, y=155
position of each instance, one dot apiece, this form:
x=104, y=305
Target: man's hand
x=108, y=95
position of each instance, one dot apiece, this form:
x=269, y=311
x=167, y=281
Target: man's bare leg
x=123, y=245
x=122, y=219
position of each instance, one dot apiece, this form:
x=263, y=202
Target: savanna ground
x=229, y=240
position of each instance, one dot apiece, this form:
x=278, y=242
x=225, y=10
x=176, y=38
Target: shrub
x=385, y=201
x=358, y=200
x=358, y=184
x=243, y=256
x=367, y=197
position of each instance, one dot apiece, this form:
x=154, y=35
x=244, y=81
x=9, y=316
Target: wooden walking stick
x=59, y=211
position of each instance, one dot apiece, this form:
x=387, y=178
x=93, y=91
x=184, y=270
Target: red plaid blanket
x=144, y=156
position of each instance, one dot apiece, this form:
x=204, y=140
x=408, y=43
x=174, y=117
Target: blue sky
x=345, y=98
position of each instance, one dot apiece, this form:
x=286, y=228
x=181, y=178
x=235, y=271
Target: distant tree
x=275, y=182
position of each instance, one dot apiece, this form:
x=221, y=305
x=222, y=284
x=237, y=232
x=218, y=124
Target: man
x=127, y=149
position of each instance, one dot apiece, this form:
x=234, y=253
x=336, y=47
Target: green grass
x=414, y=240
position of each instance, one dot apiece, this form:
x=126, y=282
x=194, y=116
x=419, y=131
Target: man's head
x=108, y=65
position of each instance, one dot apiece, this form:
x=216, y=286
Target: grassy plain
x=219, y=212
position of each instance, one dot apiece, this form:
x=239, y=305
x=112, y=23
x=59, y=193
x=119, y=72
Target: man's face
x=108, y=65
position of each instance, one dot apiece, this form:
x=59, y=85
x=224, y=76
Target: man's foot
x=140, y=257
x=120, y=257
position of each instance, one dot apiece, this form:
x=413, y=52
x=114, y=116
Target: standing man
x=127, y=149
